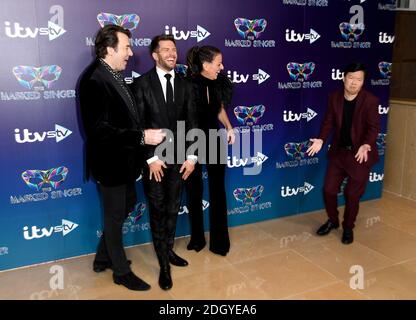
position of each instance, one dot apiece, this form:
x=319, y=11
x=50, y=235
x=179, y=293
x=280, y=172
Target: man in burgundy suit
x=353, y=115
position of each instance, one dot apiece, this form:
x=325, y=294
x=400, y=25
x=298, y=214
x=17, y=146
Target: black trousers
x=164, y=202
x=117, y=203
x=219, y=241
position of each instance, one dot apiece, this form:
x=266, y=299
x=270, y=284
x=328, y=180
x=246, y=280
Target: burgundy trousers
x=343, y=165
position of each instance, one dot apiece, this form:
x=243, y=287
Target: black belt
x=347, y=147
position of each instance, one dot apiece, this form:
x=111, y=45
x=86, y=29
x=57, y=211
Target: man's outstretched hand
x=362, y=153
x=315, y=147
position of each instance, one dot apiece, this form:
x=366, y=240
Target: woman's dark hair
x=107, y=37
x=154, y=45
x=354, y=67
x=196, y=57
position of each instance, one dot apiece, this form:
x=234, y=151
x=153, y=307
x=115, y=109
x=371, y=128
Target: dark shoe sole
x=179, y=264
x=221, y=253
x=347, y=241
x=166, y=288
x=143, y=288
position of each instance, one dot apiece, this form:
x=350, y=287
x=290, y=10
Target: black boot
x=131, y=281
x=176, y=260
x=347, y=236
x=196, y=245
x=165, y=278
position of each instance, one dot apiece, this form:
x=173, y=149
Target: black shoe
x=165, y=279
x=220, y=252
x=347, y=236
x=196, y=246
x=326, y=228
x=99, y=266
x=176, y=260
x=131, y=281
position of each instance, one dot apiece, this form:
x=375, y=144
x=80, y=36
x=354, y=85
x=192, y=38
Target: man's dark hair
x=107, y=37
x=354, y=67
x=154, y=45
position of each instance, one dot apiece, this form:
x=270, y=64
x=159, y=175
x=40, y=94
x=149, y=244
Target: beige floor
x=274, y=259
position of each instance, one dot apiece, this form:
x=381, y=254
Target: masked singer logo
x=137, y=213
x=351, y=31
x=29, y=76
x=248, y=195
x=381, y=143
x=297, y=150
x=181, y=68
x=385, y=69
x=250, y=29
x=300, y=71
x=249, y=115
x=37, y=179
x=128, y=21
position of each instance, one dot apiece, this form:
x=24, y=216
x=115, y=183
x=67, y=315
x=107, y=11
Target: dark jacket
x=365, y=124
x=152, y=109
x=112, y=127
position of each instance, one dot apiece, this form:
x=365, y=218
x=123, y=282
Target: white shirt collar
x=161, y=73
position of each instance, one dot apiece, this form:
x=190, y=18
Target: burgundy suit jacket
x=365, y=124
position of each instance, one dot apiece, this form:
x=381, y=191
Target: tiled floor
x=274, y=259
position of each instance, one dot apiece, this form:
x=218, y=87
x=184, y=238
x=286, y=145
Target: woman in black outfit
x=213, y=91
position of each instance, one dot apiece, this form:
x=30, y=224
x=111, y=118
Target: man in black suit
x=163, y=97
x=114, y=145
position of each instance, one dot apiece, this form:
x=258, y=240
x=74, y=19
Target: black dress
x=208, y=107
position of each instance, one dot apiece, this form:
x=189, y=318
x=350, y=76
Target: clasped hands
x=156, y=169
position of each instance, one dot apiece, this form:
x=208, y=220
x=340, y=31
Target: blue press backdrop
x=48, y=212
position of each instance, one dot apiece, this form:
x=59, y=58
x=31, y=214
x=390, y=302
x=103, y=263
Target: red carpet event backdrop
x=283, y=56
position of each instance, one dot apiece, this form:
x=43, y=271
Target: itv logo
x=60, y=133
x=54, y=29
x=200, y=33
x=35, y=233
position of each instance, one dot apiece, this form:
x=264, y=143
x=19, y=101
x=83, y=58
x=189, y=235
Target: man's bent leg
x=334, y=177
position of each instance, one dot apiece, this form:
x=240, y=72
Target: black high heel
x=196, y=246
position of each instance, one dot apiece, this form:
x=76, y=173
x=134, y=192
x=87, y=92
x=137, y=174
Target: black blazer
x=112, y=127
x=365, y=123
x=152, y=109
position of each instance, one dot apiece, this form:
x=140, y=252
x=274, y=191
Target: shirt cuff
x=192, y=158
x=152, y=159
